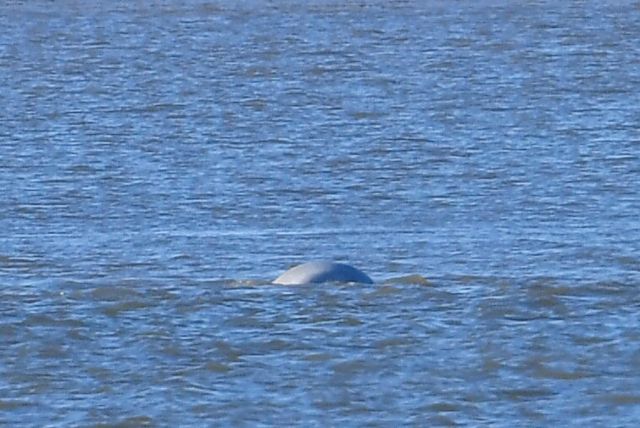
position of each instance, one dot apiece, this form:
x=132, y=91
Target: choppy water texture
x=161, y=162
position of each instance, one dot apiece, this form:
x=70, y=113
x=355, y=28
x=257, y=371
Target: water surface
x=161, y=162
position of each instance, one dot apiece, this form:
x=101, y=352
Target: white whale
x=316, y=272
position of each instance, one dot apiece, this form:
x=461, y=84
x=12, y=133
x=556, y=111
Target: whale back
x=317, y=272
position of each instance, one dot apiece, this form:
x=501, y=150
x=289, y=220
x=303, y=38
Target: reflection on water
x=161, y=164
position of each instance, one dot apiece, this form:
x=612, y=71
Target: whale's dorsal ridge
x=322, y=271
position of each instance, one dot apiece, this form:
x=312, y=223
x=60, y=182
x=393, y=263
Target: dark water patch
x=114, y=293
x=117, y=309
x=415, y=279
x=621, y=399
x=545, y=372
x=127, y=422
x=45, y=320
x=8, y=405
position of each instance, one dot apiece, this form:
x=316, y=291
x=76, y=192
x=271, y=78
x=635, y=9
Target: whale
x=322, y=271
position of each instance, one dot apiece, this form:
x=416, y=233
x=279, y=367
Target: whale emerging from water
x=317, y=272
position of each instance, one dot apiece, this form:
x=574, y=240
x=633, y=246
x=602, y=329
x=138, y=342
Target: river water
x=161, y=162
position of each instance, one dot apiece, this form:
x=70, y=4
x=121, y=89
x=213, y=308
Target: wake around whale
x=322, y=271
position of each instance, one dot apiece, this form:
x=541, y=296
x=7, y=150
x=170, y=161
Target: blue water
x=162, y=162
